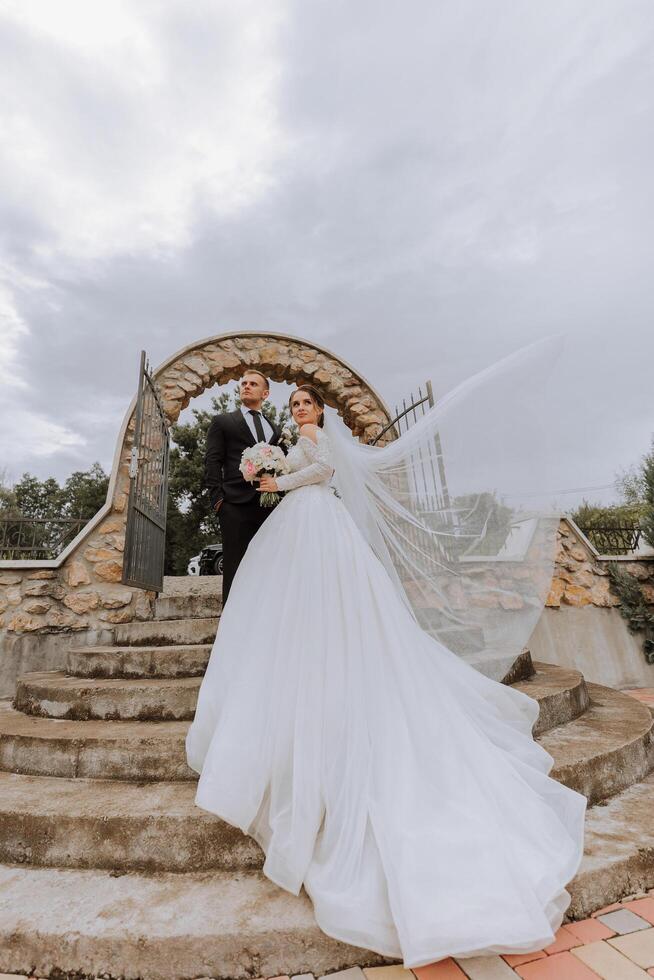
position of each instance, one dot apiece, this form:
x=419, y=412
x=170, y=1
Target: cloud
x=125, y=124
x=422, y=188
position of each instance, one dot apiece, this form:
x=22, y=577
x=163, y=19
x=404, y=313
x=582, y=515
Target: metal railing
x=433, y=486
x=613, y=540
x=37, y=538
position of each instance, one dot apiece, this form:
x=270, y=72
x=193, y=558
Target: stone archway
x=217, y=360
x=80, y=592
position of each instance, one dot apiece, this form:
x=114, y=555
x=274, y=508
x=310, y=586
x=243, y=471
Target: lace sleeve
x=318, y=471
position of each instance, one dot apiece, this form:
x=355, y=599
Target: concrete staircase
x=108, y=867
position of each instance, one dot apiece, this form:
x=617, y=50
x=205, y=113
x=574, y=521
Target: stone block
x=52, y=589
x=99, y=554
x=22, y=623
x=125, y=615
x=116, y=599
x=81, y=602
x=109, y=571
x=59, y=619
x=36, y=607
x=575, y=595
x=144, y=607
x=76, y=573
x=112, y=524
x=120, y=500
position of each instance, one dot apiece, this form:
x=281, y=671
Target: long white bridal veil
x=457, y=507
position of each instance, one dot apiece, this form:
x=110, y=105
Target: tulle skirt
x=398, y=784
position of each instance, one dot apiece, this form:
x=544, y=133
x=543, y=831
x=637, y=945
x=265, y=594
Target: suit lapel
x=243, y=427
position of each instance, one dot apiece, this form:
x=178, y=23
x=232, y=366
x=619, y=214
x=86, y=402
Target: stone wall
x=581, y=577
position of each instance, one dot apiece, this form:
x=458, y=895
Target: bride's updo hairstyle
x=315, y=397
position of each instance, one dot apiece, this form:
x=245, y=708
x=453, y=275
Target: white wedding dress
x=397, y=783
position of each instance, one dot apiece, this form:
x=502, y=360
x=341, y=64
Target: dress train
x=400, y=786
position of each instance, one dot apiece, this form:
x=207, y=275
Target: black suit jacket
x=228, y=435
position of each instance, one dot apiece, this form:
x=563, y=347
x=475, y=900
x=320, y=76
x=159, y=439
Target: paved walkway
x=645, y=694
x=615, y=943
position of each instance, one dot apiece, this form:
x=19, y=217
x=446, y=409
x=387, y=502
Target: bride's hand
x=268, y=484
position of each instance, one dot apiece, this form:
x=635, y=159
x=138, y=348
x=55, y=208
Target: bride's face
x=303, y=408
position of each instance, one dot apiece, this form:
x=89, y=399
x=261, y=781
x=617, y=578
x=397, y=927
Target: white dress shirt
x=267, y=427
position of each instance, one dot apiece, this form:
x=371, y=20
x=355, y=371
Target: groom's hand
x=216, y=506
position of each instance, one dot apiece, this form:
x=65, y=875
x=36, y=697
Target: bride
x=351, y=718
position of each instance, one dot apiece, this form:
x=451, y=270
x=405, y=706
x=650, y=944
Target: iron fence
x=616, y=540
x=40, y=538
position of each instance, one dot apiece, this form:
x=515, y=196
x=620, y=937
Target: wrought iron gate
x=145, y=535
x=433, y=486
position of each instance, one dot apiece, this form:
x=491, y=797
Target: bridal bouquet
x=260, y=459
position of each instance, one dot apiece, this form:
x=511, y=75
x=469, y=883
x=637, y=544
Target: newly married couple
x=394, y=781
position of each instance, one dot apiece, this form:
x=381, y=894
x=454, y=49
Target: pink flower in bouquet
x=259, y=459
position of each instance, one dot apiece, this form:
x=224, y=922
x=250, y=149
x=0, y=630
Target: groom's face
x=254, y=390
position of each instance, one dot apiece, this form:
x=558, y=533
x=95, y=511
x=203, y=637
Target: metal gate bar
x=145, y=535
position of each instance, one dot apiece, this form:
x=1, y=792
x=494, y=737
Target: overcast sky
x=422, y=187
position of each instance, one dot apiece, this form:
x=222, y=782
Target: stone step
x=155, y=822
x=561, y=693
x=146, y=750
x=130, y=750
x=166, y=632
x=618, y=850
x=127, y=750
x=162, y=927
x=54, y=694
x=124, y=661
x=599, y=753
x=104, y=823
x=187, y=607
x=185, y=585
x=607, y=748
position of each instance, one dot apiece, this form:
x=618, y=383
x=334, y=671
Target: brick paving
x=645, y=694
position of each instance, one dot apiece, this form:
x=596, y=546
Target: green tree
x=43, y=503
x=38, y=498
x=637, y=486
x=8, y=503
x=634, y=607
x=84, y=492
x=635, y=483
x=602, y=524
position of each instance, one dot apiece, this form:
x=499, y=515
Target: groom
x=234, y=500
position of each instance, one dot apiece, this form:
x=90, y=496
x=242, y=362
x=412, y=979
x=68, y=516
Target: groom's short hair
x=260, y=373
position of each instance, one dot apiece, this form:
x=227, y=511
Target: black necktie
x=257, y=425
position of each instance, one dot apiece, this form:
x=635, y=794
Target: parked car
x=193, y=567
x=211, y=560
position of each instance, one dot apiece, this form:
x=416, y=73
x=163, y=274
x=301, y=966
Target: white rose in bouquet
x=260, y=459
x=287, y=436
